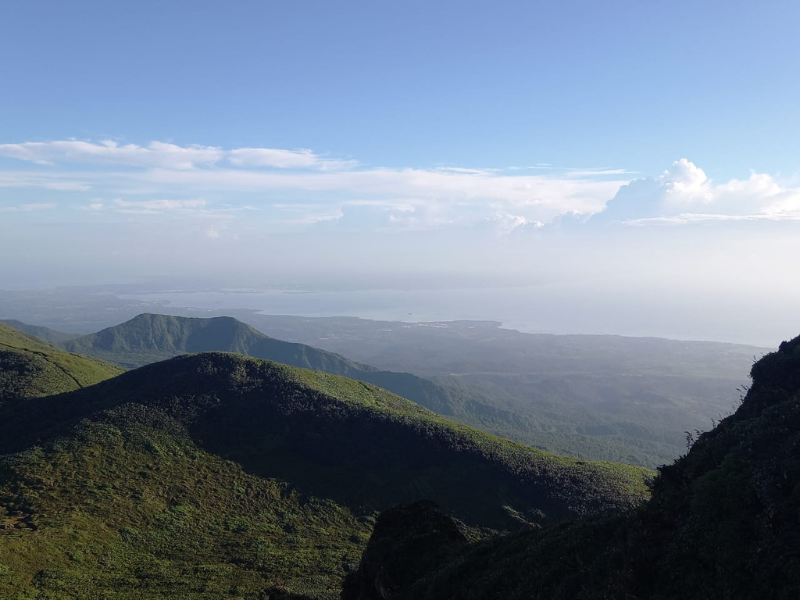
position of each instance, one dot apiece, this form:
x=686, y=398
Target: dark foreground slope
x=148, y=338
x=216, y=475
x=31, y=367
x=722, y=523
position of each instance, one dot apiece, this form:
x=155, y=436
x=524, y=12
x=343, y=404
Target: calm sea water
x=547, y=309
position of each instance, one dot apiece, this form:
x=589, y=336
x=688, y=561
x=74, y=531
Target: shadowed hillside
x=31, y=367
x=207, y=473
x=722, y=523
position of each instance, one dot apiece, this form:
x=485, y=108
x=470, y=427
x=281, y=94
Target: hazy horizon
x=638, y=165
x=549, y=309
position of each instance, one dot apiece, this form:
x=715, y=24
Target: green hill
x=216, y=475
x=148, y=338
x=722, y=522
x=30, y=367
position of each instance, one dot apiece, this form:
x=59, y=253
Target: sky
x=625, y=145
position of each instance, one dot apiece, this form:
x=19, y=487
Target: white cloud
x=688, y=218
x=595, y=172
x=163, y=204
x=43, y=181
x=32, y=207
x=156, y=154
x=686, y=183
x=684, y=194
x=408, y=198
x=164, y=155
x=502, y=224
x=533, y=196
x=302, y=187
x=286, y=159
x=460, y=170
x=154, y=207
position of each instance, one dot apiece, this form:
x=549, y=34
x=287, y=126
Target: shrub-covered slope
x=216, y=475
x=722, y=523
x=30, y=367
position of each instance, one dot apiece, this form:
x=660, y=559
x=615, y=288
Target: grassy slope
x=169, y=481
x=721, y=523
x=31, y=367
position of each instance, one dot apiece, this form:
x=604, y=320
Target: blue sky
x=619, y=84
x=509, y=139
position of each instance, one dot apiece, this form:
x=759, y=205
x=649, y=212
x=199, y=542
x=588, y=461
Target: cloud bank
x=300, y=188
x=282, y=183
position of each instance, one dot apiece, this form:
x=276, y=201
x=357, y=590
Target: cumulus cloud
x=686, y=183
x=684, y=194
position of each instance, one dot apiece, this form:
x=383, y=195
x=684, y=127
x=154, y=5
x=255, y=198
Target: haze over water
x=559, y=309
